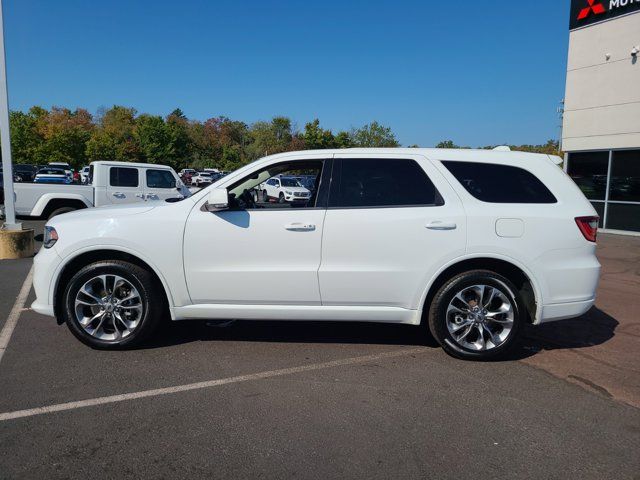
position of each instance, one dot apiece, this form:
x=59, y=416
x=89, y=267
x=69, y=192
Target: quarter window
x=495, y=183
x=123, y=177
x=382, y=183
x=160, y=179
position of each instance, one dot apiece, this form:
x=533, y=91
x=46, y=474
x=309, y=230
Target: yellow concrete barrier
x=16, y=244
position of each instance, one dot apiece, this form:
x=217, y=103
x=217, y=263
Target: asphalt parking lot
x=320, y=400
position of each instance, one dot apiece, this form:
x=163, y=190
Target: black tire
x=60, y=211
x=151, y=298
x=281, y=198
x=438, y=311
x=265, y=197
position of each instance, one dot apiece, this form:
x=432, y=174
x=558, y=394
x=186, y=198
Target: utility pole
x=5, y=137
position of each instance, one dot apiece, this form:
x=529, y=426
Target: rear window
x=495, y=183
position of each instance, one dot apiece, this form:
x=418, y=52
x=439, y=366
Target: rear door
x=160, y=184
x=392, y=222
x=124, y=185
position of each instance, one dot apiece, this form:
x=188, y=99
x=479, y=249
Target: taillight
x=588, y=226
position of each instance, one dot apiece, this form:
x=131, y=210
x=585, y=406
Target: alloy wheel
x=108, y=307
x=480, y=317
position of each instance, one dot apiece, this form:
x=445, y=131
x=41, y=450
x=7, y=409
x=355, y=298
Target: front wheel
x=477, y=315
x=112, y=304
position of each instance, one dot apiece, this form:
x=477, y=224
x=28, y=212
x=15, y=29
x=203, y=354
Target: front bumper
x=45, y=266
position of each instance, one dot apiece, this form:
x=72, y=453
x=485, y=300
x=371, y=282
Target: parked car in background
x=24, y=172
x=84, y=175
x=201, y=179
x=187, y=171
x=284, y=189
x=52, y=175
x=65, y=166
x=472, y=244
x=112, y=183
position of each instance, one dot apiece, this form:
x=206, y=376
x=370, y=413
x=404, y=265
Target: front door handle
x=440, y=225
x=119, y=195
x=152, y=196
x=300, y=227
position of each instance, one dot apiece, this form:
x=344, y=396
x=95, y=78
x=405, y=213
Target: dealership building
x=601, y=121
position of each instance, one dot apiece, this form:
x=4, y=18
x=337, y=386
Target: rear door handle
x=300, y=227
x=440, y=225
x=119, y=195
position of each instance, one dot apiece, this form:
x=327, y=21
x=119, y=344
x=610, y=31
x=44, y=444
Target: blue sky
x=478, y=72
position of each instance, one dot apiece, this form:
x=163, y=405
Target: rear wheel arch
x=523, y=281
x=85, y=258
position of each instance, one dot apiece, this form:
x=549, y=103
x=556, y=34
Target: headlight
x=50, y=237
x=288, y=192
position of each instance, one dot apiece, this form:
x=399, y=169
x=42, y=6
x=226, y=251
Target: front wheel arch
x=76, y=263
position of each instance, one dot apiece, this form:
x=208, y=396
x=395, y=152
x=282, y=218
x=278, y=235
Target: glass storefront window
x=599, y=206
x=589, y=171
x=624, y=184
x=623, y=216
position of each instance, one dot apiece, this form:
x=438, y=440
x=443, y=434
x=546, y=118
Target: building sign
x=587, y=12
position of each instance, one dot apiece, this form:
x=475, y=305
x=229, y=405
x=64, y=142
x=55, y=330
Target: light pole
x=5, y=137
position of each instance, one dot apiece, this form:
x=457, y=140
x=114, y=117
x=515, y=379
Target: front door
x=256, y=252
x=391, y=223
x=161, y=184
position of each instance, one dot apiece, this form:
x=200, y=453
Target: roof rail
x=502, y=148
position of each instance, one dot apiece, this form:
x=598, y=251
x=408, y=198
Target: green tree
x=447, y=144
x=153, y=139
x=373, y=135
x=178, y=129
x=316, y=137
x=114, y=138
x=26, y=140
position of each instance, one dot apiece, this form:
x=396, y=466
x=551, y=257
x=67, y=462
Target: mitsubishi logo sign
x=596, y=8
x=587, y=12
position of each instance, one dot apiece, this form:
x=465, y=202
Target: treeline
x=120, y=133
x=552, y=147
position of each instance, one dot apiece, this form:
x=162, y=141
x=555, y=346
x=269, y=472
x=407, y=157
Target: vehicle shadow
x=175, y=333
x=593, y=328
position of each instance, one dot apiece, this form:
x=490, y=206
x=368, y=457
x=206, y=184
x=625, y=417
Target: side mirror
x=218, y=200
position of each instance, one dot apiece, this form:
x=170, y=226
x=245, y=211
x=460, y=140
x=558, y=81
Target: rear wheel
x=265, y=197
x=477, y=315
x=112, y=305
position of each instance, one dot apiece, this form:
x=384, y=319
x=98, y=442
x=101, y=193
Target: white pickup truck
x=109, y=183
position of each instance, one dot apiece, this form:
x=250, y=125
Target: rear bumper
x=561, y=311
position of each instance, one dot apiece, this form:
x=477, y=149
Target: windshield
x=289, y=182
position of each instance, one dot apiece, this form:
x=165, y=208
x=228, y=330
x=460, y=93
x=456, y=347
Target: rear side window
x=495, y=183
x=160, y=179
x=382, y=183
x=123, y=177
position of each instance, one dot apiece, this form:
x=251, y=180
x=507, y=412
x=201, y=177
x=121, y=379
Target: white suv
x=470, y=244
x=284, y=189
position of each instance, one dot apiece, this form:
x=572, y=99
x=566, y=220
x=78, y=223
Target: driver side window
x=291, y=184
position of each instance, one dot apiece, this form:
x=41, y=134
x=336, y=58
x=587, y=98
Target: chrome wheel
x=108, y=307
x=480, y=317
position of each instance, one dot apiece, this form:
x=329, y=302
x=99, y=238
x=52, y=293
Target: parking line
x=12, y=320
x=207, y=384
